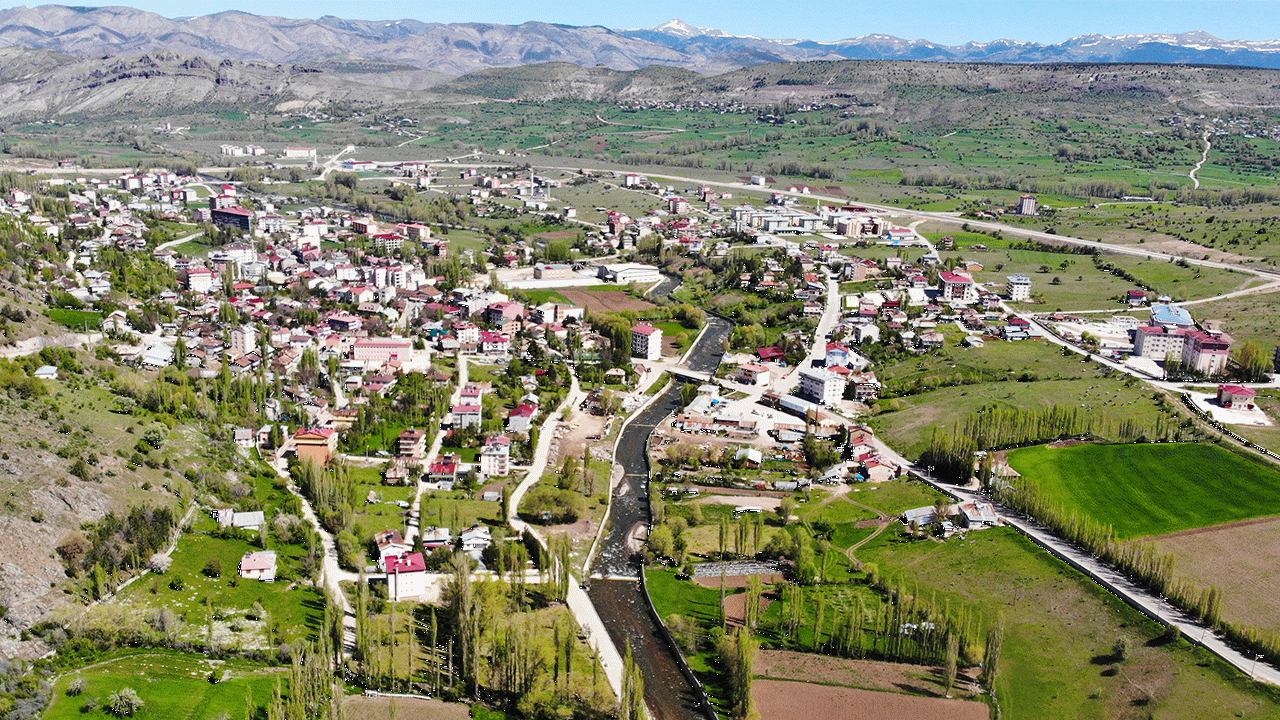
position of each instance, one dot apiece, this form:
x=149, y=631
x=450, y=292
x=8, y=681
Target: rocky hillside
x=904, y=90
x=49, y=86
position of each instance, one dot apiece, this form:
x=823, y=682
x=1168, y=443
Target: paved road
x=579, y=604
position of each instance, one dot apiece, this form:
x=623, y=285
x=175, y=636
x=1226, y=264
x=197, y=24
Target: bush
x=76, y=687
x=1120, y=651
x=124, y=703
x=213, y=568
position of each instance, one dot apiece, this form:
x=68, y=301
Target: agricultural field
x=1060, y=631
x=1240, y=559
x=1152, y=489
x=911, y=421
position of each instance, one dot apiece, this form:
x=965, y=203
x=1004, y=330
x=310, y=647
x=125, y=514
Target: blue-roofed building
x=1171, y=317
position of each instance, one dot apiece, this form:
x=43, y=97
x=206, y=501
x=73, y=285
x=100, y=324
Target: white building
x=646, y=342
x=199, y=280
x=823, y=387
x=381, y=349
x=406, y=576
x=627, y=273
x=495, y=457
x=1019, y=288
x=244, y=340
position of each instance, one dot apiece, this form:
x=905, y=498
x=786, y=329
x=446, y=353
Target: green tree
x=1252, y=363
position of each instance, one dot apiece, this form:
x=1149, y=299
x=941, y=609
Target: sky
x=949, y=22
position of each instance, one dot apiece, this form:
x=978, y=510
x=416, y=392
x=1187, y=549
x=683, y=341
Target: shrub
x=76, y=687
x=1120, y=651
x=213, y=568
x=124, y=703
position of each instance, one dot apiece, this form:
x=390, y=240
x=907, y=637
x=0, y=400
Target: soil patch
x=602, y=301
x=735, y=608
x=1065, y=443
x=763, y=502
x=1240, y=558
x=405, y=708
x=863, y=674
x=739, y=581
x=779, y=699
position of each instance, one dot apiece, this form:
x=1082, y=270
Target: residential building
x=1236, y=396
x=521, y=418
x=495, y=457
x=1155, y=343
x=244, y=340
x=199, y=280
x=236, y=217
x=259, y=565
x=412, y=443
x=1027, y=205
x=406, y=576
x=1206, y=353
x=646, y=342
x=1019, y=288
x=821, y=386
x=390, y=543
x=753, y=374
x=315, y=444
x=466, y=416
x=957, y=287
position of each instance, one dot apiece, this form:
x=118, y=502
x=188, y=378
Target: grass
x=1143, y=490
x=1059, y=631
x=221, y=603
x=541, y=297
x=682, y=597
x=1109, y=401
x=76, y=319
x=170, y=684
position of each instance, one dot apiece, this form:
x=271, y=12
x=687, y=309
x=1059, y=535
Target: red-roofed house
x=521, y=418
x=957, y=287
x=406, y=576
x=466, y=415
x=646, y=342
x=315, y=444
x=444, y=470
x=771, y=353
x=1236, y=396
x=413, y=443
x=259, y=565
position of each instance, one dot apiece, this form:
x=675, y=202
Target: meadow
x=170, y=684
x=1154, y=489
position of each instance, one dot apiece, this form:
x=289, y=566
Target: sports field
x=1143, y=490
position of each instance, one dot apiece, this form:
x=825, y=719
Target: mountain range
x=459, y=48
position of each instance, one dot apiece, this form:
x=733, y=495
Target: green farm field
x=1143, y=490
x=1059, y=631
x=912, y=423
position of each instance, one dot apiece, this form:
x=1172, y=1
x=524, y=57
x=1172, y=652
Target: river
x=615, y=590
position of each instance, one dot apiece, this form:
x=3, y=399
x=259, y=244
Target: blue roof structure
x=1170, y=316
